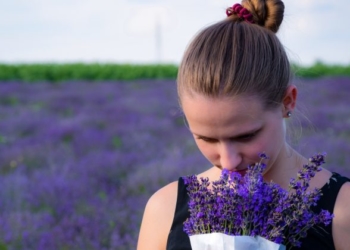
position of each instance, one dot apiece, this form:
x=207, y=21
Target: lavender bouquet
x=247, y=210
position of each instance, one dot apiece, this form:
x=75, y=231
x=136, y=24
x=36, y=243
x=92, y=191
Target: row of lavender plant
x=79, y=160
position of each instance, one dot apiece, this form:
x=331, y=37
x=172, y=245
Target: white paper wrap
x=220, y=241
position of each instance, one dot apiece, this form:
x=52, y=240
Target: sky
x=155, y=31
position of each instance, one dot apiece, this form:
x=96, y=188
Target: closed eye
x=206, y=139
x=241, y=138
x=247, y=137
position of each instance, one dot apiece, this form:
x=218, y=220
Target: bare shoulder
x=341, y=220
x=157, y=218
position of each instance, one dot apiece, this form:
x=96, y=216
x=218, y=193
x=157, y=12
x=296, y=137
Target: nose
x=230, y=157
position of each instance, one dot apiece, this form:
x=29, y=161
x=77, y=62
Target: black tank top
x=317, y=238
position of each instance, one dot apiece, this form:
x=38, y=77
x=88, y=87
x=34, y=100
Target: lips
x=241, y=171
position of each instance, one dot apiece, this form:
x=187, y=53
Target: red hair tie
x=240, y=11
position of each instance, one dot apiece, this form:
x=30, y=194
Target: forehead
x=209, y=114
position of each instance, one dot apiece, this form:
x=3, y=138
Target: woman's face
x=232, y=131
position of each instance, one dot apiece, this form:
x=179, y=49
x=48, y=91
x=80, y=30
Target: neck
x=285, y=167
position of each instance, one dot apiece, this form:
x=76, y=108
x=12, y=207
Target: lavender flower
x=78, y=150
x=246, y=205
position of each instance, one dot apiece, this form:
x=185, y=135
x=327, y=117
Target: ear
x=289, y=100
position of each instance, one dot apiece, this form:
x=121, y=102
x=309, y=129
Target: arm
x=341, y=220
x=157, y=219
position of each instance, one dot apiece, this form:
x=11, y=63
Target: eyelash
x=205, y=139
x=246, y=137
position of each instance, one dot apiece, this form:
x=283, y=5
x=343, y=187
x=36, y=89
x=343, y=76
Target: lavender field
x=80, y=159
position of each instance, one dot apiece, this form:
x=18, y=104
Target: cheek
x=273, y=140
x=251, y=151
x=208, y=150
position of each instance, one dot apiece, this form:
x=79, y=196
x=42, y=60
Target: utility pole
x=158, y=39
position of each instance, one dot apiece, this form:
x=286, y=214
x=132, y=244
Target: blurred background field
x=80, y=157
x=89, y=121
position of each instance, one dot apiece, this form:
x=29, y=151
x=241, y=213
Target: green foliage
x=320, y=69
x=86, y=72
x=127, y=72
x=3, y=246
x=117, y=142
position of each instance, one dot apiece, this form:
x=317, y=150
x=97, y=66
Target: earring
x=289, y=113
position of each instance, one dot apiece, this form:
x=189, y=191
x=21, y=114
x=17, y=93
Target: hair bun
x=266, y=13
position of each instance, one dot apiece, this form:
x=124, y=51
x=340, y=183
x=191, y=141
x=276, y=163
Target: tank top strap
x=330, y=191
x=181, y=210
x=177, y=238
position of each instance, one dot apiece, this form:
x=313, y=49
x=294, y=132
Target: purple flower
x=246, y=205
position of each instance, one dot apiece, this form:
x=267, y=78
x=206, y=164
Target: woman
x=234, y=89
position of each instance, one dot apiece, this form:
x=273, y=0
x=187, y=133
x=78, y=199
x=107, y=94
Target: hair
x=235, y=57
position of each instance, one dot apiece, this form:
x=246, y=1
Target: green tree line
x=54, y=72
